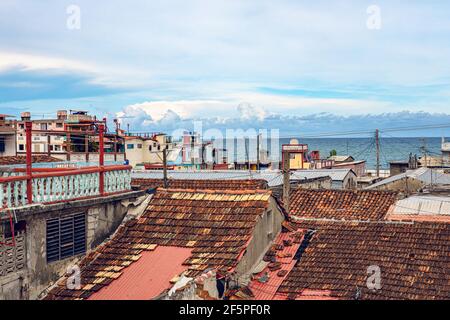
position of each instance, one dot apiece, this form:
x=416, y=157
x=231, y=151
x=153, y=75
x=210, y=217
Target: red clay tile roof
x=414, y=260
x=11, y=160
x=202, y=184
x=146, y=278
x=283, y=250
x=341, y=204
x=215, y=225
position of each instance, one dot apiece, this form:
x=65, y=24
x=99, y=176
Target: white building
x=7, y=137
x=149, y=150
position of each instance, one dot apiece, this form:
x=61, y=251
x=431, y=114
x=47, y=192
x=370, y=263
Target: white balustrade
x=13, y=194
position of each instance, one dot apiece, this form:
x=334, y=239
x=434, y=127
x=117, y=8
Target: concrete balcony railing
x=61, y=184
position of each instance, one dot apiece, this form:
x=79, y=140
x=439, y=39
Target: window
x=59, y=125
x=66, y=237
x=57, y=147
x=139, y=146
x=2, y=145
x=150, y=148
x=130, y=146
x=21, y=147
x=43, y=126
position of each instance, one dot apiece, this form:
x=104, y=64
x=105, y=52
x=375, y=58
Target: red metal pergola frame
x=32, y=173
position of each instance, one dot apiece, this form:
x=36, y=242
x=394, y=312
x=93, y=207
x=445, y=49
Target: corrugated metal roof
x=422, y=205
x=273, y=177
x=148, y=277
x=426, y=175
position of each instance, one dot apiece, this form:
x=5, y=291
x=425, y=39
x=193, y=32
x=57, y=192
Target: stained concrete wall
x=407, y=185
x=103, y=216
x=266, y=230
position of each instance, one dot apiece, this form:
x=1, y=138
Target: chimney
x=25, y=116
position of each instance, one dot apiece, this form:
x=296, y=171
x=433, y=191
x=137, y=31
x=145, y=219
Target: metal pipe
x=101, y=160
x=29, y=161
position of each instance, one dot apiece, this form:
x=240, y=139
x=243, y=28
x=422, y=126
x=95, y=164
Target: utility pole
x=377, y=142
x=425, y=153
x=247, y=157
x=286, y=180
x=49, y=152
x=192, y=150
x=165, y=167
x=257, y=152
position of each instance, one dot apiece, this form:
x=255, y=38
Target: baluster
x=70, y=195
x=8, y=195
x=55, y=183
x=1, y=195
x=65, y=186
x=59, y=185
x=83, y=184
x=107, y=182
x=24, y=192
x=48, y=187
x=35, y=190
x=16, y=194
x=111, y=183
x=97, y=187
x=92, y=188
x=42, y=189
x=76, y=186
x=120, y=181
x=128, y=180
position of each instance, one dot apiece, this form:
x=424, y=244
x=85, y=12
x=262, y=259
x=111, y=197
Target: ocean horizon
x=391, y=148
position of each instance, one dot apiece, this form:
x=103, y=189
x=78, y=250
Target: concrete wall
x=350, y=182
x=10, y=145
x=262, y=239
x=322, y=183
x=407, y=185
x=103, y=216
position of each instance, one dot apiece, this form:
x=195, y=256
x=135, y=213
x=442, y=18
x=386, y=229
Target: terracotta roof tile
x=215, y=225
x=12, y=160
x=414, y=260
x=341, y=204
x=202, y=184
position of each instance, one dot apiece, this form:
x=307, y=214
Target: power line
x=370, y=131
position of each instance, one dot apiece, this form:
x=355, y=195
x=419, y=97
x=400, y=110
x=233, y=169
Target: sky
x=303, y=67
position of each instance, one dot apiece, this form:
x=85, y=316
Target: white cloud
x=96, y=73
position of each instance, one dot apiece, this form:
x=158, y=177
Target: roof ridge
x=216, y=191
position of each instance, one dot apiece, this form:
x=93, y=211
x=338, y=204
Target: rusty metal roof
x=148, y=277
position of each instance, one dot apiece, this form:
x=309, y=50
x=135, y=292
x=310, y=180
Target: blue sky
x=230, y=63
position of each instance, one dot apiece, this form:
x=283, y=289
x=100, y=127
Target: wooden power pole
x=258, y=161
x=286, y=180
x=377, y=142
x=165, y=167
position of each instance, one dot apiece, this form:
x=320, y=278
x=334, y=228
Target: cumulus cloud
x=174, y=116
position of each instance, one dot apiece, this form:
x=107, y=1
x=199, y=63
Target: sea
x=391, y=148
